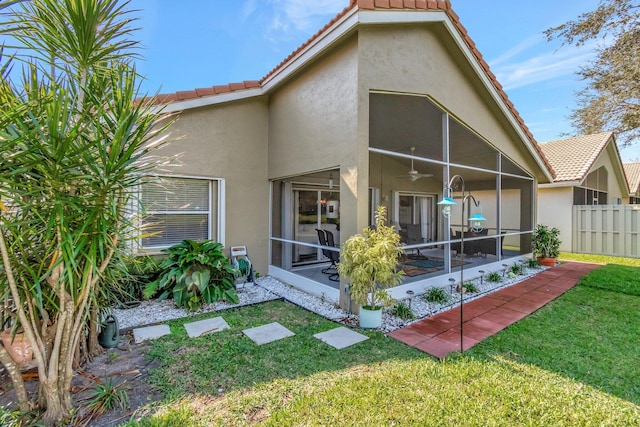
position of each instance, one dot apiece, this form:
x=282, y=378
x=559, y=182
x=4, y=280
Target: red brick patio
x=439, y=335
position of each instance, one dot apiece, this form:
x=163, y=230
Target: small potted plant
x=369, y=260
x=546, y=244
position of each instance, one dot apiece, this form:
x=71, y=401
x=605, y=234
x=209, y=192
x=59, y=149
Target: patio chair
x=414, y=236
x=326, y=239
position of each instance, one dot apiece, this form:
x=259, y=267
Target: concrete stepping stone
x=150, y=333
x=207, y=326
x=268, y=333
x=341, y=337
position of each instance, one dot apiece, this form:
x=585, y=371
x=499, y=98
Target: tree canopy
x=611, y=99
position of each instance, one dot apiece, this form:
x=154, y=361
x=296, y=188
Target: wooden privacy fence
x=607, y=230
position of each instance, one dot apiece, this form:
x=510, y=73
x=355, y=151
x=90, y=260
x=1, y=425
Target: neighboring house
x=633, y=177
x=327, y=136
x=588, y=171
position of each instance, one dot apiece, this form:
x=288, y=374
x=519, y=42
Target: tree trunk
x=16, y=379
x=94, y=347
x=56, y=408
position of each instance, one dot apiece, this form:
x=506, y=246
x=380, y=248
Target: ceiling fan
x=413, y=174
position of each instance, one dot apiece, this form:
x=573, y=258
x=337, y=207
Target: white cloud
x=288, y=18
x=540, y=68
x=303, y=15
x=514, y=51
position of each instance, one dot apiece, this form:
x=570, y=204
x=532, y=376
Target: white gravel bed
x=268, y=288
x=390, y=322
x=154, y=311
x=310, y=302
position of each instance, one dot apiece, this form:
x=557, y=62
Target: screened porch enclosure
x=415, y=148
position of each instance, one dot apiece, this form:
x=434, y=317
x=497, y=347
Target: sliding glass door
x=314, y=209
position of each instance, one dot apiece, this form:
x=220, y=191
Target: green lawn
x=599, y=259
x=574, y=362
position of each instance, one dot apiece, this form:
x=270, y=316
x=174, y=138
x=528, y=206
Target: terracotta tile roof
x=165, y=98
x=441, y=5
x=572, y=158
x=632, y=170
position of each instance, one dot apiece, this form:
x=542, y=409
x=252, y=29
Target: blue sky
x=192, y=43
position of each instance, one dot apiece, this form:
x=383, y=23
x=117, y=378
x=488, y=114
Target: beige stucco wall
x=229, y=141
x=555, y=209
x=312, y=127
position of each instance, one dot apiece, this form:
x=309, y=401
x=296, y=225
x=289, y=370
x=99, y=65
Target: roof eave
x=210, y=100
x=559, y=184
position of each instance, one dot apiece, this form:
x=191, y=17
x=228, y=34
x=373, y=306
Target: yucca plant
x=470, y=287
x=195, y=273
x=74, y=145
x=516, y=269
x=106, y=396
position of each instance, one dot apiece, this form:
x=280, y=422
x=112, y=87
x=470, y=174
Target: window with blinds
x=176, y=209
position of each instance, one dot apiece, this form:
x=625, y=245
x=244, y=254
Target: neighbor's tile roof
x=572, y=158
x=438, y=5
x=632, y=170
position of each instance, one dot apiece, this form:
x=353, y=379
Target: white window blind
x=176, y=209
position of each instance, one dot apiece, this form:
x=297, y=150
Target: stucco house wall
x=228, y=141
x=555, y=209
x=312, y=125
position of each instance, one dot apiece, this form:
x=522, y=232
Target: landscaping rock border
x=269, y=288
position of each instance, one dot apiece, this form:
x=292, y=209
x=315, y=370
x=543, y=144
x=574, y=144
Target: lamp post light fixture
x=481, y=277
x=476, y=225
x=410, y=293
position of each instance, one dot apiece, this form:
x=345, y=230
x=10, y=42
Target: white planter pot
x=370, y=319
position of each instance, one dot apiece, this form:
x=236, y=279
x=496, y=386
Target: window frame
x=216, y=198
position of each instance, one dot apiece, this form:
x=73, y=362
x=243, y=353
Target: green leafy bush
x=545, y=242
x=436, y=295
x=127, y=279
x=532, y=263
x=403, y=311
x=370, y=260
x=494, y=277
x=470, y=288
x=195, y=273
x=516, y=269
x=107, y=397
